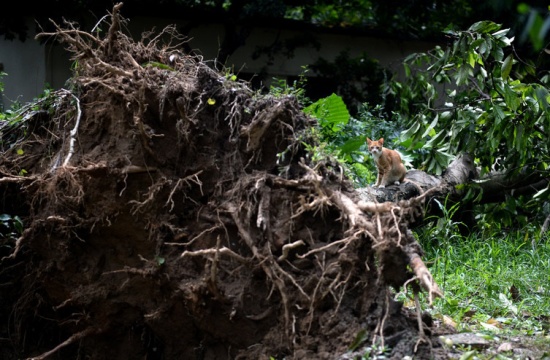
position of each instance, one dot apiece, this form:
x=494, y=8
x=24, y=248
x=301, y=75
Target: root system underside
x=170, y=212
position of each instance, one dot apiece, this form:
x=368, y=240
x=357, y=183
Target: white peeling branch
x=74, y=338
x=424, y=277
x=74, y=131
x=212, y=252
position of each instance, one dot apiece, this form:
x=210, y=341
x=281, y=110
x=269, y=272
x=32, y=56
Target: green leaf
x=483, y=71
x=443, y=159
x=542, y=97
x=407, y=69
x=507, y=67
x=361, y=170
x=498, y=113
x=362, y=335
x=484, y=27
x=331, y=112
x=431, y=126
x=352, y=144
x=468, y=355
x=506, y=41
x=497, y=53
x=483, y=47
x=435, y=141
x=409, y=134
x=462, y=75
x=471, y=59
x=508, y=305
x=18, y=224
x=518, y=138
x=475, y=44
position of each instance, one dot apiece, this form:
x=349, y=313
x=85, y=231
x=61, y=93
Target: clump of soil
x=172, y=213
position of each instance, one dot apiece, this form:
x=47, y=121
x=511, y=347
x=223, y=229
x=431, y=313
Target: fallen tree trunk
x=451, y=186
x=460, y=171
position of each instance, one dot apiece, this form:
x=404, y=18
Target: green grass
x=495, y=283
x=478, y=275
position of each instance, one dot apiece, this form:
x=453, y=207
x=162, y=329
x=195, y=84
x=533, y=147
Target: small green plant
x=229, y=74
x=15, y=120
x=444, y=226
x=280, y=87
x=10, y=226
x=2, y=74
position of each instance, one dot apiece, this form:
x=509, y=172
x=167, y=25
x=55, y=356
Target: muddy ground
x=172, y=213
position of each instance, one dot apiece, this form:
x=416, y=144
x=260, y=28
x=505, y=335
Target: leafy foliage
x=495, y=106
x=343, y=137
x=331, y=112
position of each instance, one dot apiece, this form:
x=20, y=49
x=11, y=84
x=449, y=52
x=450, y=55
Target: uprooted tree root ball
x=172, y=213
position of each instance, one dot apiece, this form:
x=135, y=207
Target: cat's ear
x=381, y=141
x=368, y=140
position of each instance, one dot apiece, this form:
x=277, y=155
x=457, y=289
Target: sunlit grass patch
x=496, y=283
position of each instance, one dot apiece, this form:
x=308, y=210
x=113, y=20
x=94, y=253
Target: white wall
x=25, y=65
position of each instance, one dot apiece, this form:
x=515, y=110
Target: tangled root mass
x=173, y=213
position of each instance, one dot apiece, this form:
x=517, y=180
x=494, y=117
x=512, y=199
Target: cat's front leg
x=384, y=181
x=378, y=180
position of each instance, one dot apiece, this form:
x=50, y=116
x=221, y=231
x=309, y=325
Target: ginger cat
x=388, y=162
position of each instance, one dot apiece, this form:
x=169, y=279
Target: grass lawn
x=496, y=285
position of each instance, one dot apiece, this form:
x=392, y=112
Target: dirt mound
x=173, y=213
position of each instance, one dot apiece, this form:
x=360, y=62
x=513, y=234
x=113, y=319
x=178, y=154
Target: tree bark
x=453, y=183
x=460, y=171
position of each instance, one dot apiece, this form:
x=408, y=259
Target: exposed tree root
x=74, y=338
x=206, y=192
